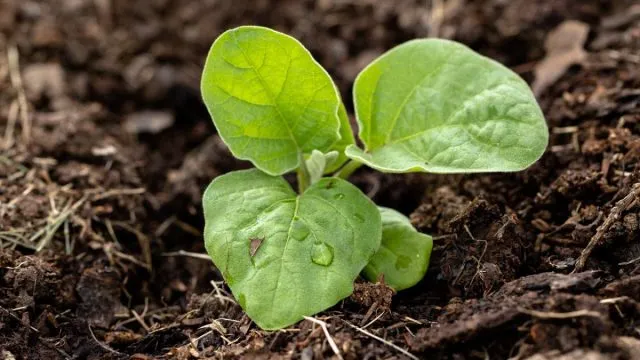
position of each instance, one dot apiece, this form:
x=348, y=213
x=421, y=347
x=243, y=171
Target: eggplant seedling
x=427, y=105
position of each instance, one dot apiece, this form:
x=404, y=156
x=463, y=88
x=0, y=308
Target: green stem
x=303, y=176
x=348, y=169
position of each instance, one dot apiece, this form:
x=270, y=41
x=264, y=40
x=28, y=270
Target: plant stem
x=348, y=169
x=303, y=175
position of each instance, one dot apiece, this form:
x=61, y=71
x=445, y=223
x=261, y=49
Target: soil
x=106, y=149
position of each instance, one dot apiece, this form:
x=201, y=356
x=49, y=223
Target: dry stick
x=219, y=294
x=15, y=317
x=614, y=215
x=557, y=315
x=104, y=346
x=388, y=343
x=12, y=118
x=479, y=260
x=332, y=343
x=140, y=320
x=60, y=351
x=614, y=300
x=148, y=313
x=16, y=80
x=374, y=320
x=194, y=255
x=629, y=262
x=117, y=192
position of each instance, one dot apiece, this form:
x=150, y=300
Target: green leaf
x=404, y=254
x=286, y=256
x=437, y=106
x=318, y=162
x=269, y=99
x=346, y=139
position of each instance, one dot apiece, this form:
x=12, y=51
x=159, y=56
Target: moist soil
x=106, y=148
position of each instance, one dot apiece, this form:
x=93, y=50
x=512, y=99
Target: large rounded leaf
x=269, y=99
x=404, y=253
x=286, y=256
x=437, y=106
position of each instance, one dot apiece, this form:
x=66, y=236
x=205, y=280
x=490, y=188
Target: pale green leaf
x=346, y=139
x=404, y=253
x=286, y=256
x=269, y=99
x=318, y=162
x=437, y=106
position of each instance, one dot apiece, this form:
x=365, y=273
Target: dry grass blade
x=614, y=215
x=13, y=58
x=45, y=234
x=188, y=254
x=388, y=343
x=37, y=332
x=118, y=192
x=219, y=295
x=557, y=315
x=332, y=343
x=104, y=346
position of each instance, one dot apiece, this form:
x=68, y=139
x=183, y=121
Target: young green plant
x=427, y=105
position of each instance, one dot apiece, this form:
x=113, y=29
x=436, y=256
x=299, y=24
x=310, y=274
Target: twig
x=104, y=346
x=219, y=294
x=188, y=254
x=614, y=215
x=405, y=352
x=12, y=118
x=54, y=224
x=19, y=320
x=140, y=320
x=13, y=58
x=629, y=262
x=332, y=343
x=373, y=321
x=479, y=260
x=148, y=313
x=557, y=315
x=143, y=241
x=60, y=351
x=117, y=192
x=614, y=300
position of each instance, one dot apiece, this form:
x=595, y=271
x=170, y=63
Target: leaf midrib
x=266, y=88
x=284, y=250
x=427, y=76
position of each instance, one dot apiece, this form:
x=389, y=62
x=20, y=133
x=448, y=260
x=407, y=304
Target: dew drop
x=402, y=262
x=322, y=254
x=338, y=196
x=299, y=230
x=359, y=218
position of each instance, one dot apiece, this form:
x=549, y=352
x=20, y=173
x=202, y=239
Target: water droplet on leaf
x=299, y=230
x=338, y=196
x=359, y=218
x=322, y=254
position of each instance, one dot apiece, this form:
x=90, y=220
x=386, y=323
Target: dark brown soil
x=106, y=148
